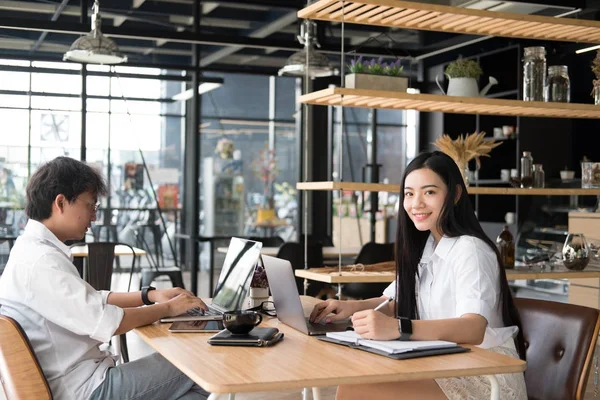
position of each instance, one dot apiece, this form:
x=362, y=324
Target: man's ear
x=60, y=201
x=458, y=194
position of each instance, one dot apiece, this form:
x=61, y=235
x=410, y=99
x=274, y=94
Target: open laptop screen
x=238, y=269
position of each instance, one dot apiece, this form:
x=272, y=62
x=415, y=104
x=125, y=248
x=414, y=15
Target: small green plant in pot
x=463, y=75
x=376, y=74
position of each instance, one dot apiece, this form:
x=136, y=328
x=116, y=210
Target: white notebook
x=390, y=346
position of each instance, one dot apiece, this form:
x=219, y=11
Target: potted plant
x=596, y=82
x=376, y=74
x=463, y=75
x=259, y=287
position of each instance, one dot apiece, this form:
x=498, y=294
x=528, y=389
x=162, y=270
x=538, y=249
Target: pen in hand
x=379, y=307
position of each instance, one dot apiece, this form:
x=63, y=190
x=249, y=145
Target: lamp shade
x=94, y=48
x=318, y=65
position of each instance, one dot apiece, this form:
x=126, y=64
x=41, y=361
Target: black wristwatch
x=145, y=298
x=405, y=328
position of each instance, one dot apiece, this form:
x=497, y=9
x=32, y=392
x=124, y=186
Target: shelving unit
x=431, y=17
x=381, y=187
x=448, y=104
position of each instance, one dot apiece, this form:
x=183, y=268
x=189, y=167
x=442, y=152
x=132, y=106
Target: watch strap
x=145, y=298
x=405, y=328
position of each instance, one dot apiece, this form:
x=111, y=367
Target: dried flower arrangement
x=376, y=67
x=596, y=68
x=466, y=148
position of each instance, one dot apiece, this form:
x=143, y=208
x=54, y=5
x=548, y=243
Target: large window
x=255, y=113
x=128, y=114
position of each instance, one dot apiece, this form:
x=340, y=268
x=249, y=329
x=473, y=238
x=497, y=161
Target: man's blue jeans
x=151, y=377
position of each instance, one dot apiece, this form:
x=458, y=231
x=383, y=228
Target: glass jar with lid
x=534, y=73
x=558, y=86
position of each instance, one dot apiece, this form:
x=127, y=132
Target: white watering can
x=465, y=87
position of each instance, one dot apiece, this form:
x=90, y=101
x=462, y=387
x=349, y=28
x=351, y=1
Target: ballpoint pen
x=379, y=307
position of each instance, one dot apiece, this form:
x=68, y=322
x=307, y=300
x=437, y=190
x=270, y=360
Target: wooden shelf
x=534, y=192
x=381, y=187
x=431, y=17
x=447, y=104
x=519, y=273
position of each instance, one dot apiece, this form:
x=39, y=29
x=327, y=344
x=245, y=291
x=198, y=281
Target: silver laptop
x=234, y=282
x=287, y=300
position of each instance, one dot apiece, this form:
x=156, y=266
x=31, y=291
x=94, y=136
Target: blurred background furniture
x=98, y=273
x=370, y=253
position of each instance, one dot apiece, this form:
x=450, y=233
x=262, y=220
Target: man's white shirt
x=65, y=319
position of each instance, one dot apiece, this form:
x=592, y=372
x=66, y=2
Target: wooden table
x=120, y=250
x=329, y=252
x=317, y=274
x=301, y=361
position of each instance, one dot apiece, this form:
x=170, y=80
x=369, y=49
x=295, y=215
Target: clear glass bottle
x=506, y=247
x=534, y=73
x=538, y=176
x=526, y=170
x=558, y=86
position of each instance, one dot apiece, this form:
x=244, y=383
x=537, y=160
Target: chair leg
x=177, y=279
x=124, y=351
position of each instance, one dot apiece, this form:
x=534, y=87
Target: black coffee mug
x=241, y=322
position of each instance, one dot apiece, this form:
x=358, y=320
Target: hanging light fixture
x=318, y=63
x=95, y=48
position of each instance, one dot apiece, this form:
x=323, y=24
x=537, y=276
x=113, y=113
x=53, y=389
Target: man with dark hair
x=66, y=319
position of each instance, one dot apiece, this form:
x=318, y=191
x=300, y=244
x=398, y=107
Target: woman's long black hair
x=456, y=219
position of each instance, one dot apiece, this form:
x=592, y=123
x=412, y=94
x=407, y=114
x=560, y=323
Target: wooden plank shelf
x=447, y=104
x=440, y=18
x=519, y=273
x=382, y=187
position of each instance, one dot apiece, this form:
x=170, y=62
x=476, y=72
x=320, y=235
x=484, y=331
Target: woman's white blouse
x=460, y=276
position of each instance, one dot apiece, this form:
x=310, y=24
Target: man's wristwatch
x=405, y=328
x=145, y=298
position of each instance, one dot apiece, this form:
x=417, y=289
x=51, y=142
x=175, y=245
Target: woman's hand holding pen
x=372, y=324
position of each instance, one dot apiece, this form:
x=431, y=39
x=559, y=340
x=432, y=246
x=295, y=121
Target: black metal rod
x=373, y=168
x=83, y=154
x=192, y=165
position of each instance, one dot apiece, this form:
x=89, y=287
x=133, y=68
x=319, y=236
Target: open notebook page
x=390, y=346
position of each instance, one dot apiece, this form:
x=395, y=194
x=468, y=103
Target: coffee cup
x=241, y=322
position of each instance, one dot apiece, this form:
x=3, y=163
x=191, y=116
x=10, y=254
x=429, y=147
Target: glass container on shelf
x=534, y=73
x=558, y=86
x=526, y=170
x=506, y=247
x=538, y=176
x=575, y=252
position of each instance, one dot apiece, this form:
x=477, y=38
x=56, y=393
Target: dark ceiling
x=236, y=36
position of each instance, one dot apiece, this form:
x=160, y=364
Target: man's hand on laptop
x=182, y=302
x=341, y=309
x=164, y=295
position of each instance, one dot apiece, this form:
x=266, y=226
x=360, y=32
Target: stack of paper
x=390, y=346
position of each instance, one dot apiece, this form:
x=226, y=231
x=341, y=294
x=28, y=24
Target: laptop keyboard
x=195, y=312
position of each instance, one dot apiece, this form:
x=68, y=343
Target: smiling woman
x=449, y=286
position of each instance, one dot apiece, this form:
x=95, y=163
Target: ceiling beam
x=145, y=34
x=260, y=33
